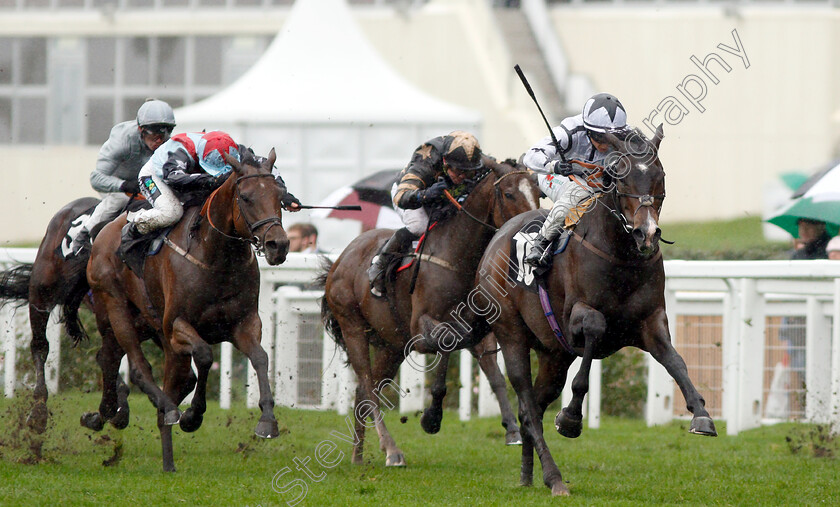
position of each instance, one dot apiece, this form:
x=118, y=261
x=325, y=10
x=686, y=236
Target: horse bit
x=254, y=239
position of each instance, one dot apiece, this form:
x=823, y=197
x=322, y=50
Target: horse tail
x=76, y=291
x=14, y=284
x=330, y=323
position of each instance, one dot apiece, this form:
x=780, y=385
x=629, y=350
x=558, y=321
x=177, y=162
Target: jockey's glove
x=130, y=186
x=289, y=200
x=564, y=168
x=433, y=193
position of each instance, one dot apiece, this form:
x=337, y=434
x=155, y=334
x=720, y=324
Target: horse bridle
x=646, y=200
x=254, y=239
x=498, y=191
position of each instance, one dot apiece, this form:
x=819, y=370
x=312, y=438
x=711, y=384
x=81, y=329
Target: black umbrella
x=376, y=188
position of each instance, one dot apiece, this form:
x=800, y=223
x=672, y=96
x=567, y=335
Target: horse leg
x=485, y=353
x=359, y=445
x=590, y=323
x=108, y=358
x=40, y=348
x=386, y=364
x=430, y=420
x=117, y=317
x=246, y=338
x=186, y=343
x=518, y=364
x=656, y=339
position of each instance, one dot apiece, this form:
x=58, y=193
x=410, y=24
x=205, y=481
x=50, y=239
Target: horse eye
x=508, y=195
x=245, y=199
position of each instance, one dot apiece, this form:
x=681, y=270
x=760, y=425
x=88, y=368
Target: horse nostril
x=657, y=234
x=638, y=235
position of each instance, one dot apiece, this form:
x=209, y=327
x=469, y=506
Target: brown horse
x=357, y=320
x=55, y=280
x=201, y=289
x=607, y=291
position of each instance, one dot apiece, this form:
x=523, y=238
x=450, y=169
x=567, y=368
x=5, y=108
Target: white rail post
x=817, y=363
x=594, y=395
x=225, y=374
x=731, y=358
x=412, y=381
x=465, y=392
x=9, y=341
x=286, y=349
x=751, y=356
x=835, y=361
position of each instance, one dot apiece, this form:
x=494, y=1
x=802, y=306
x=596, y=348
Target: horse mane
x=635, y=142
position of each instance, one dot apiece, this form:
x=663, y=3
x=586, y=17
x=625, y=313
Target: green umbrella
x=806, y=207
x=818, y=199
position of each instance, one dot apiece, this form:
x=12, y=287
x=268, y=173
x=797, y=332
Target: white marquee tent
x=327, y=102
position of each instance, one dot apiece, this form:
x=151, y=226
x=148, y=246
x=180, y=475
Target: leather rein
x=498, y=191
x=254, y=239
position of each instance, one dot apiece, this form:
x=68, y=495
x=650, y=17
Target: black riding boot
x=129, y=237
x=81, y=242
x=540, y=255
x=395, y=244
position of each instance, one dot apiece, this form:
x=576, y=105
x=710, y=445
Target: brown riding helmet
x=462, y=152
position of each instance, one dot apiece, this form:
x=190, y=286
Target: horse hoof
x=37, y=420
x=559, y=489
x=267, y=429
x=513, y=438
x=190, y=421
x=567, y=426
x=120, y=420
x=172, y=417
x=430, y=420
x=395, y=460
x=92, y=421
x=703, y=426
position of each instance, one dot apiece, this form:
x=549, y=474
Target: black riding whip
x=353, y=207
x=534, y=98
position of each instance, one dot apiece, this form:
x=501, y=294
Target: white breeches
x=572, y=194
x=415, y=220
x=166, y=208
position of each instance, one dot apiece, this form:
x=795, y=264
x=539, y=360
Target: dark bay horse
x=201, y=289
x=50, y=281
x=357, y=320
x=607, y=292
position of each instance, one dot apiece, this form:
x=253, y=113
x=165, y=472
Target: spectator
x=812, y=240
x=833, y=248
x=303, y=238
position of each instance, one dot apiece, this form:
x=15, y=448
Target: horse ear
x=657, y=138
x=231, y=161
x=272, y=157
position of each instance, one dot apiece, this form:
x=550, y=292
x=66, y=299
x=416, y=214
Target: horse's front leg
x=590, y=323
x=430, y=421
x=40, y=348
x=485, y=352
x=246, y=338
x=186, y=344
x=656, y=339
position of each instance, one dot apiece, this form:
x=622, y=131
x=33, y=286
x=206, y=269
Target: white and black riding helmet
x=603, y=113
x=156, y=115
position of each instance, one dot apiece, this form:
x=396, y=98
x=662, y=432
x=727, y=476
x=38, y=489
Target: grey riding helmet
x=604, y=113
x=157, y=113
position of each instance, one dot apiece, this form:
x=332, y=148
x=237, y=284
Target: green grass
x=740, y=238
x=622, y=463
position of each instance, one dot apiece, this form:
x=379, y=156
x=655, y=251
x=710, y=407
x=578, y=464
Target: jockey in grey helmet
x=128, y=148
x=579, y=137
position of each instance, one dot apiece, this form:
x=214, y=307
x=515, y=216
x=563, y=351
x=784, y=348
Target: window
x=101, y=59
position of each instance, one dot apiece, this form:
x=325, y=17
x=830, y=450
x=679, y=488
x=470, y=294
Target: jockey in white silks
x=581, y=138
